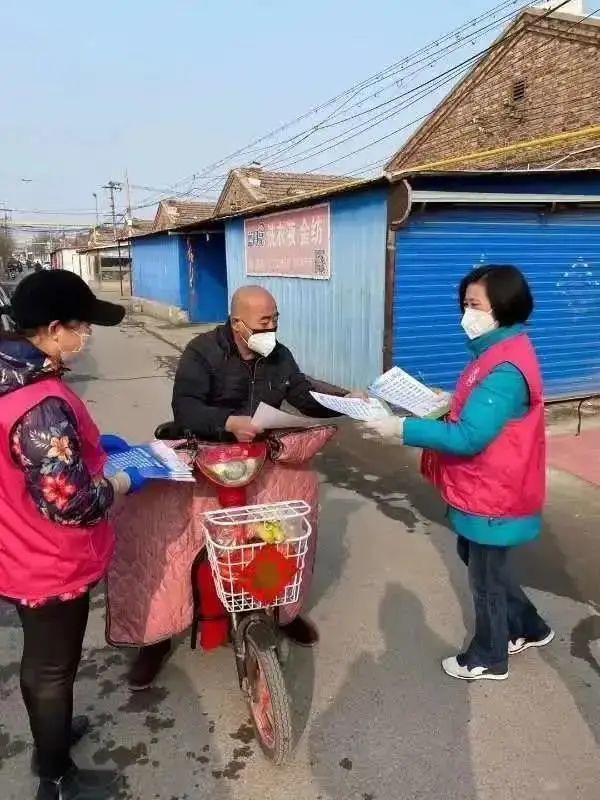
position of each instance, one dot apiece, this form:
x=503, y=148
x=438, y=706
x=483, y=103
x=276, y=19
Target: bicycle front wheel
x=268, y=701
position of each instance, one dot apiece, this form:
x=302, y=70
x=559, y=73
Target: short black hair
x=507, y=289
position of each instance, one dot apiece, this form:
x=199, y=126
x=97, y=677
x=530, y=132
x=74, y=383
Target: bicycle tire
x=278, y=747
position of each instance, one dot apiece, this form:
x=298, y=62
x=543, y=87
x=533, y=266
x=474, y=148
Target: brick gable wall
x=559, y=64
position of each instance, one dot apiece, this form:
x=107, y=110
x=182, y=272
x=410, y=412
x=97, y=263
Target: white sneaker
x=452, y=668
x=520, y=645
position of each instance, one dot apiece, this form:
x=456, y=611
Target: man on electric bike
x=222, y=377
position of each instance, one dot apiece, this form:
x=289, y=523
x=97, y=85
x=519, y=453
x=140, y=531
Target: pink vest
x=40, y=558
x=508, y=478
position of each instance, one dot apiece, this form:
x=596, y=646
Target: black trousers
x=53, y=638
x=502, y=609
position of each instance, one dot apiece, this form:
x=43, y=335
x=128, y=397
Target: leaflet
x=155, y=461
x=354, y=407
x=268, y=418
x=400, y=389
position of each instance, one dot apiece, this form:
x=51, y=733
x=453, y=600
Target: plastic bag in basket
x=230, y=535
x=273, y=534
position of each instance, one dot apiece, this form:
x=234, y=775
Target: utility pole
x=4, y=208
x=6, y=239
x=128, y=195
x=112, y=187
x=95, y=196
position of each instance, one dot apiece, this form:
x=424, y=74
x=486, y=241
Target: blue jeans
x=502, y=609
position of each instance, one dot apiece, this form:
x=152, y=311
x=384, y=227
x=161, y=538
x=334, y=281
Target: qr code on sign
x=321, y=262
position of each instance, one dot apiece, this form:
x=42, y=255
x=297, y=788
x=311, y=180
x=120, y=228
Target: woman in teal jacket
x=478, y=438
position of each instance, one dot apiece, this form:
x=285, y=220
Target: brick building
x=172, y=213
x=538, y=79
x=252, y=186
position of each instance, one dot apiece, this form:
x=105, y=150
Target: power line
x=336, y=142
x=472, y=36
x=275, y=164
x=349, y=101
x=451, y=73
x=593, y=130
x=432, y=82
x=79, y=212
x=537, y=50
x=357, y=130
x=351, y=92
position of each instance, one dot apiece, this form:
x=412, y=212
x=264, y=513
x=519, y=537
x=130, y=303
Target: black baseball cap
x=60, y=296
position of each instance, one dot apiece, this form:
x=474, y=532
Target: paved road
x=379, y=720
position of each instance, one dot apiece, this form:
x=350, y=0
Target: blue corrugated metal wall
x=558, y=252
x=208, y=299
x=334, y=328
x=159, y=270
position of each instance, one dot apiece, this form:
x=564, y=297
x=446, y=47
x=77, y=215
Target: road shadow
x=541, y=566
x=332, y=555
x=299, y=674
x=333, y=552
x=8, y=616
x=396, y=728
x=162, y=741
x=389, y=476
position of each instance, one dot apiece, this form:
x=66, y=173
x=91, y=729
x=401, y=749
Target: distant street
x=379, y=719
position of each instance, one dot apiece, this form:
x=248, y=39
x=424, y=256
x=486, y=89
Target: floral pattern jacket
x=45, y=444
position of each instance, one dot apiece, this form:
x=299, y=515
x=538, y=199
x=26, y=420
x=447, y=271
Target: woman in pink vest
x=55, y=538
x=488, y=461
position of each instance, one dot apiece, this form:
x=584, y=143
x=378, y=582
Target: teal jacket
x=499, y=398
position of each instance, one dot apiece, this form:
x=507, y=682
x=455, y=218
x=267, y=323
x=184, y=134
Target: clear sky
x=162, y=89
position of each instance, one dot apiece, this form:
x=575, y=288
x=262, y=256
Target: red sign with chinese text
x=292, y=244
x=268, y=574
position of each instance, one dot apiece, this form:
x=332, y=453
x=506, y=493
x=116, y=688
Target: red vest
x=508, y=478
x=40, y=558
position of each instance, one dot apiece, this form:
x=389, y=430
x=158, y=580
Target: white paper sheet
x=269, y=418
x=353, y=407
x=400, y=389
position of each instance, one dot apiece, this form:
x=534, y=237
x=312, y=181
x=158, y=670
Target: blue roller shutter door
x=558, y=252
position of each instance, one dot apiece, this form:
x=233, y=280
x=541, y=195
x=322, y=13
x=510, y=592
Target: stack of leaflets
x=393, y=392
x=154, y=461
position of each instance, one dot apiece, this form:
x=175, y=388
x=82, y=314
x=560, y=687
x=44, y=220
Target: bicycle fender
x=264, y=634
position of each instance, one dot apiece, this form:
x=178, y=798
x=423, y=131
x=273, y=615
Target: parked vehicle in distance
x=5, y=321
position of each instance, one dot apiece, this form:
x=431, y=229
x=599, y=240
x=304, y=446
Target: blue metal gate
x=559, y=252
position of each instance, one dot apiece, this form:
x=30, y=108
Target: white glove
x=121, y=483
x=387, y=428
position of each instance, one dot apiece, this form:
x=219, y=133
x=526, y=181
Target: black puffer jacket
x=213, y=382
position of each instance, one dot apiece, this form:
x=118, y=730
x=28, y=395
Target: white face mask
x=69, y=356
x=260, y=342
x=263, y=343
x=476, y=323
